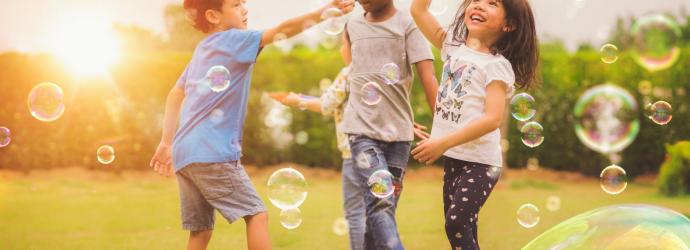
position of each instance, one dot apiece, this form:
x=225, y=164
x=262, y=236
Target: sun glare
x=86, y=46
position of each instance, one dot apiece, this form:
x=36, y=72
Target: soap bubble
x=333, y=21
x=217, y=116
x=5, y=137
x=218, y=78
x=532, y=134
x=381, y=184
x=613, y=179
x=46, y=102
x=606, y=119
x=371, y=93
x=291, y=218
x=553, y=203
x=522, y=107
x=660, y=112
x=391, y=73
x=609, y=53
x=438, y=7
x=340, y=227
x=105, y=154
x=287, y=188
x=655, y=42
x=301, y=138
x=618, y=227
x=528, y=215
x=644, y=87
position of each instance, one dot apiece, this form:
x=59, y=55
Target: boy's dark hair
x=520, y=46
x=196, y=12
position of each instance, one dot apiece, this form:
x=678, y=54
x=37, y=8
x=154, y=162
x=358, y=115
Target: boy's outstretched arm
x=162, y=159
x=295, y=25
x=427, y=23
x=425, y=71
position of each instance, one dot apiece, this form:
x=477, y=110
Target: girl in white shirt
x=490, y=48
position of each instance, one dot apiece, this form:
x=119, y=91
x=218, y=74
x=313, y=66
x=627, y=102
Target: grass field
x=78, y=209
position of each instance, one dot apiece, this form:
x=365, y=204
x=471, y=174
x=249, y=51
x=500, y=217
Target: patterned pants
x=466, y=186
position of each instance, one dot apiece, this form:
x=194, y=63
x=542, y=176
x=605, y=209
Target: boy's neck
x=382, y=14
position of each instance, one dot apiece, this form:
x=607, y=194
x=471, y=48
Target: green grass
x=75, y=210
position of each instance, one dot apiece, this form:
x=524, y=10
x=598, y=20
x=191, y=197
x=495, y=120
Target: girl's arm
x=294, y=26
x=427, y=23
x=162, y=159
x=425, y=70
x=430, y=150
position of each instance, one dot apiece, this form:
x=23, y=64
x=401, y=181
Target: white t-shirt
x=461, y=99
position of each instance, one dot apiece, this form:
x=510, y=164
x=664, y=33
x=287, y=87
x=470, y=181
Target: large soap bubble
x=618, y=227
x=606, y=119
x=287, y=188
x=655, y=42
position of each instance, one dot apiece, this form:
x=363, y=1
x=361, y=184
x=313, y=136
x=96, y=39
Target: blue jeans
x=354, y=188
x=381, y=227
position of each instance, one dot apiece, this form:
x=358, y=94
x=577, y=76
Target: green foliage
x=674, y=175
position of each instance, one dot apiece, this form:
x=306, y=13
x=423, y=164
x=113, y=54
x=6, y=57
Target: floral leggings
x=466, y=186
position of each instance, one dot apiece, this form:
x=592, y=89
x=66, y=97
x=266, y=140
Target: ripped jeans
x=369, y=156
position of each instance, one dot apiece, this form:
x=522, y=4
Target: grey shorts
x=205, y=187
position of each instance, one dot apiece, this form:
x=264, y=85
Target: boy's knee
x=260, y=217
x=201, y=234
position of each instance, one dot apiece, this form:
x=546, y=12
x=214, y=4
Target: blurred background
x=115, y=62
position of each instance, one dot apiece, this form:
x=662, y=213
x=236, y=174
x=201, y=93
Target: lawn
x=79, y=209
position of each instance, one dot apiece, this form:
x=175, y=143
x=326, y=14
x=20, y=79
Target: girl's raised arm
x=427, y=23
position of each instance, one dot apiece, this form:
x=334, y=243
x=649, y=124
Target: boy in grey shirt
x=378, y=118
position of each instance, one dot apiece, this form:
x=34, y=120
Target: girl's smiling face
x=486, y=18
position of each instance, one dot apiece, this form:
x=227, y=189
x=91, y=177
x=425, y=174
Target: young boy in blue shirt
x=210, y=102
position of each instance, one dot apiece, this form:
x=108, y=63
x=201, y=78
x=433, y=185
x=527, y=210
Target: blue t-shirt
x=210, y=126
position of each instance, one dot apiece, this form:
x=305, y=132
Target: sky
x=31, y=25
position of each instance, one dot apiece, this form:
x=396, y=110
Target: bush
x=674, y=176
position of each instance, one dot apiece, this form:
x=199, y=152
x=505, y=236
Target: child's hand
x=420, y=131
x=346, y=6
x=428, y=151
x=162, y=160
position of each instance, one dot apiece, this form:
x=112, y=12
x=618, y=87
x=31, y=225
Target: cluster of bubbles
x=301, y=138
x=522, y=108
x=618, y=227
x=105, y=154
x=287, y=190
x=439, y=7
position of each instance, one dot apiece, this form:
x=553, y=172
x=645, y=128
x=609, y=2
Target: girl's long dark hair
x=520, y=46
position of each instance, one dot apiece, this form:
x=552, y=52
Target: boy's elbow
x=494, y=122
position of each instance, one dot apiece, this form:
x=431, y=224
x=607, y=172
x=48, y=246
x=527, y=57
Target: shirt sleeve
x=182, y=81
x=416, y=45
x=501, y=71
x=334, y=97
x=244, y=45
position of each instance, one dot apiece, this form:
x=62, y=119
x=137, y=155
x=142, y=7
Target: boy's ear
x=212, y=16
x=509, y=27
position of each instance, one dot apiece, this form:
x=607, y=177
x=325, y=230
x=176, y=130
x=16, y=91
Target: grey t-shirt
x=377, y=107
